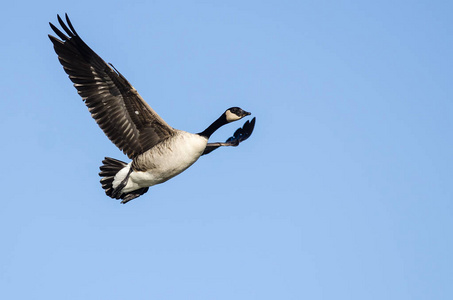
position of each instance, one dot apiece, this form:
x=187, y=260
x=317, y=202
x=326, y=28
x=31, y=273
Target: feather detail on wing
x=127, y=120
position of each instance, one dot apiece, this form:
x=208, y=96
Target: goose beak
x=246, y=113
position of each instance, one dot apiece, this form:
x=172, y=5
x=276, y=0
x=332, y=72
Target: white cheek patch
x=231, y=117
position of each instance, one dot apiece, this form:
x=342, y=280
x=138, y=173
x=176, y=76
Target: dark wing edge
x=240, y=135
x=127, y=120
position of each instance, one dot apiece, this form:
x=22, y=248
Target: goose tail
x=109, y=169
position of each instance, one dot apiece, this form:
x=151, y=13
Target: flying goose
x=157, y=150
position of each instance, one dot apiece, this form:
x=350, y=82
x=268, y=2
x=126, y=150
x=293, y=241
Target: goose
x=158, y=152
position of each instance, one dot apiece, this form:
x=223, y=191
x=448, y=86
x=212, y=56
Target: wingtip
x=251, y=124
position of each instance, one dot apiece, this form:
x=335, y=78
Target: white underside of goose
x=163, y=161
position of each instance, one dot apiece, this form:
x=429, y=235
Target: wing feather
x=127, y=120
x=240, y=135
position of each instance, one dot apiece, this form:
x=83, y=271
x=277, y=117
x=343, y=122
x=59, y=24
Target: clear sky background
x=344, y=191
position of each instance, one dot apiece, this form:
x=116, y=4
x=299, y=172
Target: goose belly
x=166, y=160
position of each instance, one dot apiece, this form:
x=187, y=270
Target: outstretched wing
x=240, y=135
x=127, y=120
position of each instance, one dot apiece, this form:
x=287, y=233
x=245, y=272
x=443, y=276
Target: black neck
x=214, y=126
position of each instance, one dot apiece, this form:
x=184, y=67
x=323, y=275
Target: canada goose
x=158, y=151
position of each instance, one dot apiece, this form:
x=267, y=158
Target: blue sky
x=344, y=191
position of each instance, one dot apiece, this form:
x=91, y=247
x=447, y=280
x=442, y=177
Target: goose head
x=235, y=113
x=230, y=115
